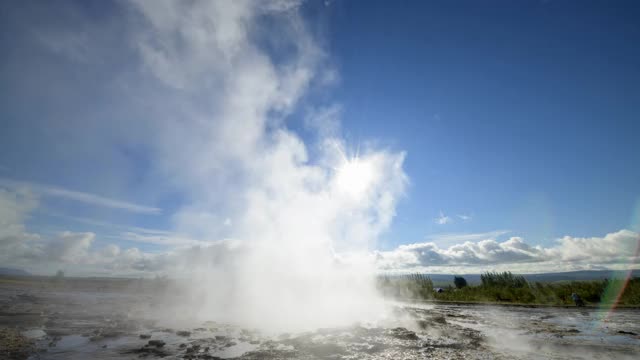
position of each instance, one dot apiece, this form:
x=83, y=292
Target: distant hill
x=581, y=275
x=442, y=279
x=13, y=272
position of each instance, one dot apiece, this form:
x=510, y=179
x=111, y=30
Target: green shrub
x=509, y=288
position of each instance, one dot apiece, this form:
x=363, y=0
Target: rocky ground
x=41, y=322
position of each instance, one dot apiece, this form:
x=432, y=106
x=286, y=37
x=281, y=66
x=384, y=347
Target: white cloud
x=15, y=241
x=616, y=249
x=91, y=199
x=621, y=246
x=110, y=251
x=465, y=217
x=43, y=254
x=76, y=253
x=457, y=238
x=69, y=247
x=324, y=120
x=166, y=239
x=443, y=219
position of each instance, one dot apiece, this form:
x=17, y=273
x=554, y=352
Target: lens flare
x=616, y=286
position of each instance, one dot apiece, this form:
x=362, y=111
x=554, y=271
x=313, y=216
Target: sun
x=354, y=177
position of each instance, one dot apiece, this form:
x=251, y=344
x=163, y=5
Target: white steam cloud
x=200, y=95
x=288, y=213
x=272, y=229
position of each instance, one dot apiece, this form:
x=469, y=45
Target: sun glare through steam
x=355, y=177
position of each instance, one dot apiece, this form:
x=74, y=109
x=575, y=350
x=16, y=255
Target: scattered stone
x=193, y=349
x=209, y=357
x=156, y=343
x=184, y=333
x=13, y=345
x=183, y=345
x=111, y=333
x=440, y=319
x=626, y=332
x=145, y=351
x=145, y=336
x=404, y=334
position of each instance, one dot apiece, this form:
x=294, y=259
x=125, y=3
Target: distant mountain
x=441, y=279
x=13, y=272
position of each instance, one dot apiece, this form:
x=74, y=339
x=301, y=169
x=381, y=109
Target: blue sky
x=523, y=114
x=127, y=125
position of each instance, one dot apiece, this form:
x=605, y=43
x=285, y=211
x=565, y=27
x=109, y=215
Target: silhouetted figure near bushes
x=576, y=298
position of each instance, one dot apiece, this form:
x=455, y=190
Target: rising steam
x=300, y=217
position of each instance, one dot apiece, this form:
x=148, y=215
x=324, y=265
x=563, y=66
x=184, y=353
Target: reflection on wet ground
x=48, y=324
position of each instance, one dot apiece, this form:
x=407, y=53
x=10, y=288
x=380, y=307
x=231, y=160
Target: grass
x=509, y=288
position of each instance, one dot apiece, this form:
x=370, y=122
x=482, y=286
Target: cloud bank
x=472, y=253
x=614, y=250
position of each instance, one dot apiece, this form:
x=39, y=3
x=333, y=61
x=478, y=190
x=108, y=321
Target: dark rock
x=145, y=336
x=626, y=332
x=439, y=319
x=144, y=351
x=209, y=357
x=193, y=349
x=404, y=334
x=184, y=333
x=156, y=343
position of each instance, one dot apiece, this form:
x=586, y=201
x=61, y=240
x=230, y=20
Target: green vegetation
x=506, y=287
x=459, y=282
x=413, y=286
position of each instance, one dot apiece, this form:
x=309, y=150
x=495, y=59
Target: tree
x=459, y=282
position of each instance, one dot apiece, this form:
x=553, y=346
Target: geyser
x=299, y=214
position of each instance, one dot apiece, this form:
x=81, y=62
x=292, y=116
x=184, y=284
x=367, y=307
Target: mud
x=78, y=323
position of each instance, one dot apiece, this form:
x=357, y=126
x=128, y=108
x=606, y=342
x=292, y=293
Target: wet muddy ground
x=44, y=322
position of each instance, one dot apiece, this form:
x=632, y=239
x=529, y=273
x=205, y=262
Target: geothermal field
x=319, y=179
x=131, y=319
